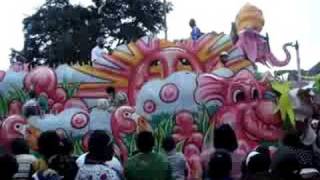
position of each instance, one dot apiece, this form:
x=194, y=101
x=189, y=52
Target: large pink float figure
x=242, y=106
x=183, y=88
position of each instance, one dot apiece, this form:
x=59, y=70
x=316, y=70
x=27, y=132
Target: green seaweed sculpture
x=284, y=104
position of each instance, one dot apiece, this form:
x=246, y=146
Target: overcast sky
x=286, y=20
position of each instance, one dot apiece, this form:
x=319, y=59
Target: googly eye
x=238, y=96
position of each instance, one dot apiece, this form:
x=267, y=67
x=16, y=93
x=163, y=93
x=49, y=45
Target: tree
x=60, y=32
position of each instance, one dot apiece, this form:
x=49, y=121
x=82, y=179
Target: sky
x=285, y=21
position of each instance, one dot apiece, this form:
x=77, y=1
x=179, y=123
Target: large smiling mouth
x=255, y=129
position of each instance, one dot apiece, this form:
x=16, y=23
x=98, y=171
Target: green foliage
x=206, y=127
x=284, y=104
x=60, y=32
x=15, y=94
x=203, y=119
x=3, y=107
x=77, y=146
x=70, y=88
x=316, y=85
x=179, y=146
x=208, y=137
x=163, y=129
x=130, y=142
x=157, y=119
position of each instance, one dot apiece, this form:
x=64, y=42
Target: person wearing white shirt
x=99, y=51
x=114, y=163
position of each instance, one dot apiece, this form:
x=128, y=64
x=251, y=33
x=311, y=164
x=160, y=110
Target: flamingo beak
x=142, y=123
x=135, y=117
x=23, y=131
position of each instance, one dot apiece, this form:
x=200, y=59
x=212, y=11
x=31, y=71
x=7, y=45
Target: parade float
x=183, y=88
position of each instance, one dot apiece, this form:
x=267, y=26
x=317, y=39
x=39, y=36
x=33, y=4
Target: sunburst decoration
x=120, y=66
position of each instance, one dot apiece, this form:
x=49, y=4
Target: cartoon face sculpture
x=161, y=64
x=242, y=106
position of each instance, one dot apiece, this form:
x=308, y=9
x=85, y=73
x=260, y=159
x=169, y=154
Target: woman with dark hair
x=225, y=139
x=220, y=165
x=48, y=146
x=20, y=149
x=100, y=151
x=63, y=162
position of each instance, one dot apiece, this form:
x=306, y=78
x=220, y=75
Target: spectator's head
x=111, y=91
x=264, y=150
x=19, y=146
x=145, y=141
x=100, y=146
x=292, y=138
x=285, y=165
x=192, y=22
x=8, y=166
x=168, y=144
x=49, y=144
x=32, y=94
x=67, y=146
x=257, y=162
x=220, y=165
x=305, y=95
x=100, y=41
x=225, y=138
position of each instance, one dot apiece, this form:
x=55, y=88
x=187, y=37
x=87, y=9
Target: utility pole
x=296, y=46
x=165, y=20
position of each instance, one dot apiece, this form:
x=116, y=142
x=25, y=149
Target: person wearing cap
x=256, y=165
x=99, y=51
